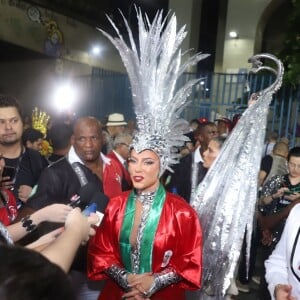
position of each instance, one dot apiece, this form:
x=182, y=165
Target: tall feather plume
x=154, y=69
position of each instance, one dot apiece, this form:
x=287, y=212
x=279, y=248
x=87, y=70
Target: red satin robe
x=114, y=174
x=178, y=230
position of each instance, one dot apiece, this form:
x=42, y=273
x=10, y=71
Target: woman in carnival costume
x=149, y=244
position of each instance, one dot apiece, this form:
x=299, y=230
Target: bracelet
x=28, y=224
x=162, y=280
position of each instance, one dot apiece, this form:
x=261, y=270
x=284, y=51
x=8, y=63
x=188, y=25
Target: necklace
x=146, y=198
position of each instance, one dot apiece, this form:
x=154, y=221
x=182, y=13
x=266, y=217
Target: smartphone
x=9, y=171
x=90, y=209
x=288, y=192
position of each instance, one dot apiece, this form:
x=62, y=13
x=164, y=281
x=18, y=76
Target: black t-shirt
x=266, y=164
x=29, y=166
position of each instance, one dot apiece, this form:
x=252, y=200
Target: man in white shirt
x=283, y=265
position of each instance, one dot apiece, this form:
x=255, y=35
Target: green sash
x=149, y=231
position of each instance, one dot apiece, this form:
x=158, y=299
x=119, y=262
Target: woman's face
x=210, y=154
x=144, y=170
x=294, y=166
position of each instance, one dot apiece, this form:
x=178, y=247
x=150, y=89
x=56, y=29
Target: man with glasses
x=116, y=176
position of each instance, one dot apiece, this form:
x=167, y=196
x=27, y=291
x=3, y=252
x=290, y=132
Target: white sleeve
x=277, y=263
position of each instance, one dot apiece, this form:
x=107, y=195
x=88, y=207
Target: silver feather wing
x=225, y=200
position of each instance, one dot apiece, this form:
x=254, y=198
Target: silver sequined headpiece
x=153, y=69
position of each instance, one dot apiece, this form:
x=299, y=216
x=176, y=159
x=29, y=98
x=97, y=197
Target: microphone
x=90, y=199
x=97, y=204
x=85, y=194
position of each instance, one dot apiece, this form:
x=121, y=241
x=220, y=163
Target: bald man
x=83, y=163
x=63, y=180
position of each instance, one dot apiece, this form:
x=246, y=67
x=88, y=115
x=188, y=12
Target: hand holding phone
x=8, y=171
x=92, y=208
x=289, y=192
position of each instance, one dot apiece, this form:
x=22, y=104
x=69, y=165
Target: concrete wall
x=243, y=17
x=30, y=27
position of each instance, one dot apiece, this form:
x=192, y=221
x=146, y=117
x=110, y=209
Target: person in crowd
x=115, y=124
x=116, y=176
x=274, y=164
x=282, y=267
x=224, y=126
x=271, y=140
x=120, y=253
x=149, y=242
x=285, y=140
x=209, y=156
x=194, y=124
x=59, y=136
x=213, y=149
x=64, y=180
x=32, y=139
x=84, y=163
x=278, y=196
x=25, y=164
x=28, y=275
x=190, y=171
x=130, y=127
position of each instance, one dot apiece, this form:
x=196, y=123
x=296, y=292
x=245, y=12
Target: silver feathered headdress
x=153, y=71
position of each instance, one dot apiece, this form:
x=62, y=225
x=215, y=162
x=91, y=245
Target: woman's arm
x=77, y=231
x=52, y=213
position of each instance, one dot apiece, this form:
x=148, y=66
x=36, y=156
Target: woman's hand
x=293, y=196
x=140, y=284
x=283, y=292
x=54, y=213
x=24, y=192
x=280, y=193
x=7, y=183
x=267, y=237
x=253, y=98
x=45, y=240
x=77, y=222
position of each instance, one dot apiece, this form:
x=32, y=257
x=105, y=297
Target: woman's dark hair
x=59, y=136
x=294, y=152
x=27, y=275
x=31, y=135
x=220, y=140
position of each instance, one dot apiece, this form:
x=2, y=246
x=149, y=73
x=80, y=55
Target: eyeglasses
x=294, y=166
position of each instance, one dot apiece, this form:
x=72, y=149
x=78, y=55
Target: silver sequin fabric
x=5, y=235
x=147, y=200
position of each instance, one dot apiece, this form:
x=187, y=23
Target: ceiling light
x=96, y=50
x=233, y=34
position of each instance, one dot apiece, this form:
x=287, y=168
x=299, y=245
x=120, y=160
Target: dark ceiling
x=91, y=12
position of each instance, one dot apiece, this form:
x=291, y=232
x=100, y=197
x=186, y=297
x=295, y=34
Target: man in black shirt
x=26, y=163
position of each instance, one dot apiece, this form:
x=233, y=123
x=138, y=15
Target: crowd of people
x=36, y=201
x=106, y=213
